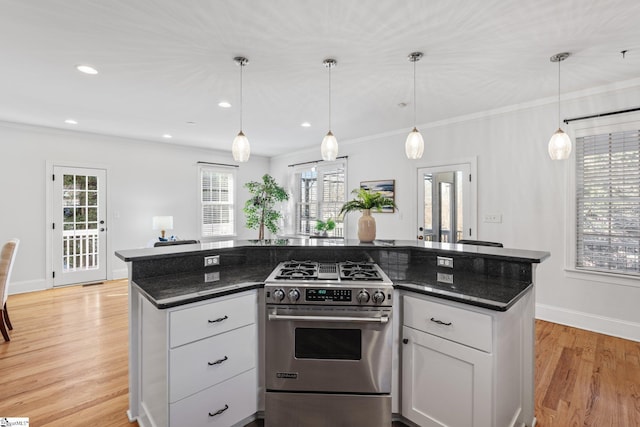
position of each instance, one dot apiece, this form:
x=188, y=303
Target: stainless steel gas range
x=328, y=342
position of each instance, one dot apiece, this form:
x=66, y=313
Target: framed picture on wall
x=386, y=187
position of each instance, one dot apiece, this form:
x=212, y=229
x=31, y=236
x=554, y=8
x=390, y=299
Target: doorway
x=79, y=230
x=446, y=203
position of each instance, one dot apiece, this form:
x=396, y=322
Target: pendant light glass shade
x=560, y=143
x=414, y=145
x=329, y=147
x=240, y=148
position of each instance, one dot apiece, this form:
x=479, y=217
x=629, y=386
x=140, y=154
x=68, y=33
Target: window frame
x=590, y=127
x=320, y=168
x=234, y=202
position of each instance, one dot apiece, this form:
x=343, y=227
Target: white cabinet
x=198, y=364
x=461, y=366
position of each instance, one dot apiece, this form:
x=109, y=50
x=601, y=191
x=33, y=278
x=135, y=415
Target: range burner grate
x=359, y=271
x=298, y=270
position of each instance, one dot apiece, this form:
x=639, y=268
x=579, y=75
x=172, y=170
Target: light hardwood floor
x=66, y=365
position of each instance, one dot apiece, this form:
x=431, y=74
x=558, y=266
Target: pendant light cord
x=241, y=66
x=414, y=93
x=330, y=98
x=559, y=94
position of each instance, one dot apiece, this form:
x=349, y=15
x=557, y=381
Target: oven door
x=328, y=349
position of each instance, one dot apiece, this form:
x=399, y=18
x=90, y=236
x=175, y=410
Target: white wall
x=516, y=179
x=144, y=179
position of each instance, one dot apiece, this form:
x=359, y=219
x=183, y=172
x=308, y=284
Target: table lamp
x=162, y=223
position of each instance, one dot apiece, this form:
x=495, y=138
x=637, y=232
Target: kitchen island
x=494, y=284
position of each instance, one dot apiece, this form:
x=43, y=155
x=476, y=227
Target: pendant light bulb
x=240, y=148
x=414, y=145
x=560, y=143
x=329, y=146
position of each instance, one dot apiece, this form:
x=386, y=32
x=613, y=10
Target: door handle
x=102, y=229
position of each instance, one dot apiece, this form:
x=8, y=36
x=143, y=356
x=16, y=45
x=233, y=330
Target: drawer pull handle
x=440, y=322
x=219, y=319
x=219, y=361
x=219, y=411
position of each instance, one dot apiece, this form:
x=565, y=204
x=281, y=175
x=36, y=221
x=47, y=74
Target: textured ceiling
x=164, y=63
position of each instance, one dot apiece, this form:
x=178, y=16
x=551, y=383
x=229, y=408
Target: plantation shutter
x=217, y=201
x=608, y=202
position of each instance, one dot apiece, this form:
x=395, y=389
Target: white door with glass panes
x=445, y=211
x=79, y=225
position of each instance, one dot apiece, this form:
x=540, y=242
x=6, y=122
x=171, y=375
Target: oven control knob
x=278, y=294
x=363, y=297
x=294, y=295
x=378, y=297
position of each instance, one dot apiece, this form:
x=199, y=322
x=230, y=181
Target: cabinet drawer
x=232, y=400
x=201, y=364
x=455, y=324
x=207, y=320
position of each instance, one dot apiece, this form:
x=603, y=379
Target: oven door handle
x=382, y=319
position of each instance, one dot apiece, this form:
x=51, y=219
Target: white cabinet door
x=445, y=383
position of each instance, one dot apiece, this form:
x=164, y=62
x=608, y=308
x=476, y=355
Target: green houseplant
x=324, y=227
x=259, y=209
x=365, y=201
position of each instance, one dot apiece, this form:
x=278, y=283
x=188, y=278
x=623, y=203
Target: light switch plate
x=496, y=218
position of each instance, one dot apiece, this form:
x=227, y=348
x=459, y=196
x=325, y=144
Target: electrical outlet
x=214, y=276
x=211, y=260
x=445, y=262
x=444, y=278
x=496, y=218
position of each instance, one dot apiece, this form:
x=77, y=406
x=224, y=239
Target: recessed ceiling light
x=87, y=69
x=71, y=122
x=167, y=136
x=305, y=124
x=224, y=104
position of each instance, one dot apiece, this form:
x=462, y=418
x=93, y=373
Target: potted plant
x=364, y=201
x=324, y=227
x=259, y=209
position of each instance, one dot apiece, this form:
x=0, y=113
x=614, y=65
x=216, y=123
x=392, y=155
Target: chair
x=7, y=257
x=480, y=243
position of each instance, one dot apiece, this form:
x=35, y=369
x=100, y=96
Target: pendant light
x=414, y=145
x=560, y=143
x=329, y=147
x=240, y=148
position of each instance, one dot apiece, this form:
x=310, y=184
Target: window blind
x=217, y=202
x=608, y=202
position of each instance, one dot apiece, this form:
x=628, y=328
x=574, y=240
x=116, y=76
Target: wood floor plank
x=67, y=365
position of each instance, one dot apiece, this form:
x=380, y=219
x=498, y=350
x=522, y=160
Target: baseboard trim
x=28, y=286
x=591, y=322
x=121, y=273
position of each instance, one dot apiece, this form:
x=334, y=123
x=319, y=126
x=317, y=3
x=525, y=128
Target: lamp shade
x=559, y=145
x=162, y=223
x=240, y=148
x=329, y=147
x=414, y=145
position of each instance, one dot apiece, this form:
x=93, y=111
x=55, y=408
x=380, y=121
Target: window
x=217, y=197
x=319, y=194
x=608, y=202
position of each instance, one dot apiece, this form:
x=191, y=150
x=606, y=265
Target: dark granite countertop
x=184, y=288
x=445, y=248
